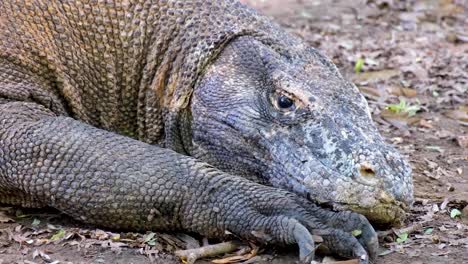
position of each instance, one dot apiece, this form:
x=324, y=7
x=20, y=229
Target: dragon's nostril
x=367, y=170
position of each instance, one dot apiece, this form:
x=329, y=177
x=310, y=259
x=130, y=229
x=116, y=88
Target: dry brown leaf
x=444, y=134
x=418, y=71
x=448, y=8
x=19, y=238
x=373, y=76
x=42, y=254
x=400, y=120
x=460, y=114
x=371, y=92
x=403, y=91
x=5, y=219
x=101, y=235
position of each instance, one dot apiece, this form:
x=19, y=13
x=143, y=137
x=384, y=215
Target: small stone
x=389, y=239
x=329, y=259
x=425, y=123
x=450, y=188
x=451, y=37
x=462, y=141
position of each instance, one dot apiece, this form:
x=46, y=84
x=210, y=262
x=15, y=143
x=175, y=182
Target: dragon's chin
x=392, y=214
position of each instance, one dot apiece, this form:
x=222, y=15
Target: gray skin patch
x=325, y=146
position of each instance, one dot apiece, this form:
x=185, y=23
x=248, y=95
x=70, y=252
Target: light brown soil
x=417, y=50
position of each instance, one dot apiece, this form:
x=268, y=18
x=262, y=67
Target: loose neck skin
x=179, y=49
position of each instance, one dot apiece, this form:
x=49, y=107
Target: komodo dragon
x=193, y=115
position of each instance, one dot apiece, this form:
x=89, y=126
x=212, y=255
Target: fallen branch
x=409, y=229
x=191, y=255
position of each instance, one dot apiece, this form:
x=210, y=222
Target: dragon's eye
x=285, y=102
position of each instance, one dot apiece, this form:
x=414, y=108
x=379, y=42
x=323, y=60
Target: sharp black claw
x=305, y=242
x=363, y=259
x=371, y=243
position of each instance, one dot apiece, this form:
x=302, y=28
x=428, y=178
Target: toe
x=343, y=244
x=305, y=242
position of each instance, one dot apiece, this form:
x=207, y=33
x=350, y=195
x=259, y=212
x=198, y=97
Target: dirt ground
x=410, y=59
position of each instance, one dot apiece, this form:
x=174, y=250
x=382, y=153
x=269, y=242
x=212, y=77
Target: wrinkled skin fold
x=200, y=116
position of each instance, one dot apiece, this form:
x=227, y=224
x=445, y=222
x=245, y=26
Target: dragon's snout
x=390, y=201
x=374, y=181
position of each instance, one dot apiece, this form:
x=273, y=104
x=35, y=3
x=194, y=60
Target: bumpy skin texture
x=166, y=115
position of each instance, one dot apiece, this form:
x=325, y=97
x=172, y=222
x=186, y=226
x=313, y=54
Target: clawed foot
x=345, y=234
x=285, y=218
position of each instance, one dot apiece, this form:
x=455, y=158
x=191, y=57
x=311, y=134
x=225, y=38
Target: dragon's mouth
x=386, y=207
x=393, y=213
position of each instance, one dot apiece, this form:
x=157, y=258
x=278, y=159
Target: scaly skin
x=166, y=115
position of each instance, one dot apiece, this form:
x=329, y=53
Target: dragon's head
x=293, y=122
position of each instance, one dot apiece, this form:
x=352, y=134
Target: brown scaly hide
x=124, y=66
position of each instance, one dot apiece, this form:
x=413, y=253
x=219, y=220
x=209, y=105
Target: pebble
x=462, y=141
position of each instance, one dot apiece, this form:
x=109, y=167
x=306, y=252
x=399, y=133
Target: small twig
x=409, y=229
x=332, y=260
x=433, y=198
x=191, y=255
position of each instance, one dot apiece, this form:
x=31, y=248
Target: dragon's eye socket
x=284, y=102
